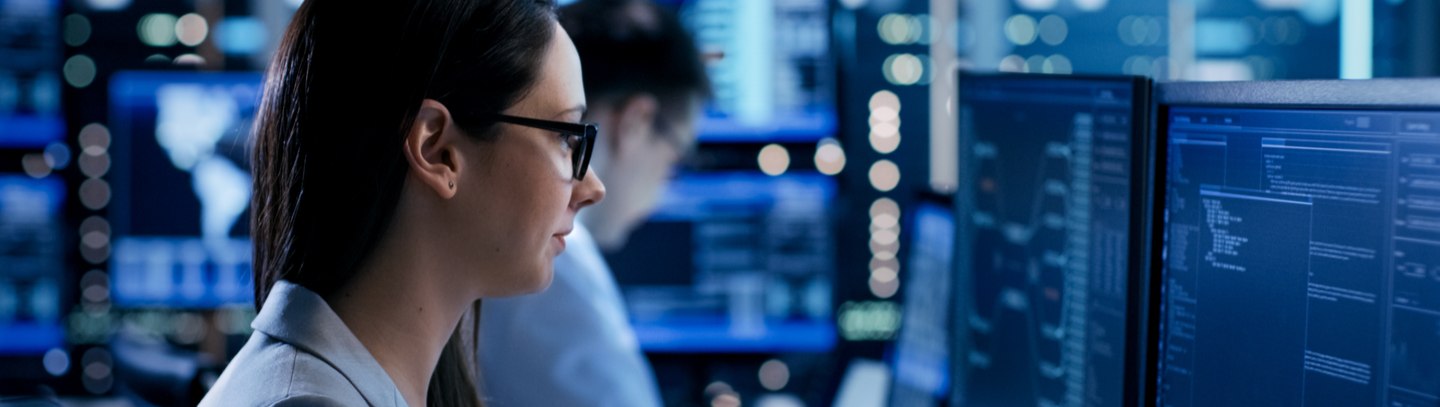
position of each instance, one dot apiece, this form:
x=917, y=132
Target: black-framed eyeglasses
x=580, y=137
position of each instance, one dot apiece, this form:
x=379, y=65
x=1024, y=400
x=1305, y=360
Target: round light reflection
x=774, y=374
x=774, y=159
x=903, y=69
x=1053, y=29
x=884, y=289
x=1057, y=64
x=1012, y=63
x=884, y=139
x=884, y=175
x=56, y=362
x=95, y=193
x=77, y=30
x=191, y=29
x=79, y=71
x=157, y=29
x=884, y=206
x=885, y=98
x=1021, y=29
x=829, y=157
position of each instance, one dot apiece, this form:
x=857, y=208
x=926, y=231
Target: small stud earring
x=452, y=184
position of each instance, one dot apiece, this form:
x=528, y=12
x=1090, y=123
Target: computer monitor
x=31, y=56
x=181, y=188
x=770, y=67
x=733, y=262
x=32, y=263
x=921, y=355
x=1053, y=176
x=1301, y=257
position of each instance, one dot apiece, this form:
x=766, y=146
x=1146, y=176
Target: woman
x=411, y=158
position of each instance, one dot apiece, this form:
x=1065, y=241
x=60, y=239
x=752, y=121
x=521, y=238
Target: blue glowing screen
x=733, y=262
x=32, y=263
x=1306, y=242
x=1047, y=235
x=182, y=188
x=922, y=352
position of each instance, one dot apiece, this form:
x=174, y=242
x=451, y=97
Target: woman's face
x=523, y=196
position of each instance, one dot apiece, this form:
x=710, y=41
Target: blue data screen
x=733, y=262
x=770, y=67
x=922, y=352
x=32, y=263
x=1048, y=240
x=1302, y=258
x=181, y=188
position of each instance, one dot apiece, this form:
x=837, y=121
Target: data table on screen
x=1306, y=242
x=1048, y=219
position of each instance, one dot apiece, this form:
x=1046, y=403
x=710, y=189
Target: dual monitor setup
x=1120, y=243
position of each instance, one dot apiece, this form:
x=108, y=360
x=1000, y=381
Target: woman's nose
x=588, y=191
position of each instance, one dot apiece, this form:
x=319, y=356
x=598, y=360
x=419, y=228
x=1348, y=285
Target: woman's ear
x=430, y=148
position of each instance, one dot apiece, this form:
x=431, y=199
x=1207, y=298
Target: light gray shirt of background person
x=570, y=345
x=302, y=354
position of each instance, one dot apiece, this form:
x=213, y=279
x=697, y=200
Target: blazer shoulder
x=268, y=372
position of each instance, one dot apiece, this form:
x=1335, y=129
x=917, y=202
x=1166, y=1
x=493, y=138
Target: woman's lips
x=559, y=243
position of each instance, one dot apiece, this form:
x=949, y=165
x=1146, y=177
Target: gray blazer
x=302, y=354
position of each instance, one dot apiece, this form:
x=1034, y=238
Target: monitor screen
x=181, y=188
x=922, y=372
x=32, y=263
x=733, y=262
x=1302, y=258
x=31, y=56
x=1046, y=222
x=770, y=67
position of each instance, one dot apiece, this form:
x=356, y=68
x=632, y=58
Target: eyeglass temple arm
x=570, y=128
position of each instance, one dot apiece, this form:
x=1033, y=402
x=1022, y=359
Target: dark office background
x=859, y=129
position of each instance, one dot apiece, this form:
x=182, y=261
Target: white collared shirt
x=570, y=345
x=302, y=354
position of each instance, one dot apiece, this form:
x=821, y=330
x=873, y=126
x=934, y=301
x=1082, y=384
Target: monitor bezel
x=1392, y=94
x=1138, y=284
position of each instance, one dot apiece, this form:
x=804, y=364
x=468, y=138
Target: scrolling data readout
x=1302, y=258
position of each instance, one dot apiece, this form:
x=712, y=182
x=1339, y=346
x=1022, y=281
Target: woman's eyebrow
x=578, y=108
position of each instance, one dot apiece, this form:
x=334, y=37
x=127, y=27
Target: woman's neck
x=403, y=315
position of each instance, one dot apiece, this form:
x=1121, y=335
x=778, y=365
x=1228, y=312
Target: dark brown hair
x=340, y=97
x=635, y=46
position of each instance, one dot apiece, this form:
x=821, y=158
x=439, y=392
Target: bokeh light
x=903, y=69
x=95, y=193
x=829, y=156
x=189, y=59
x=191, y=29
x=79, y=71
x=77, y=30
x=1091, y=5
x=34, y=165
x=774, y=374
x=1057, y=64
x=884, y=175
x=56, y=362
x=774, y=159
x=1021, y=29
x=157, y=29
x=884, y=288
x=98, y=367
x=884, y=206
x=1053, y=29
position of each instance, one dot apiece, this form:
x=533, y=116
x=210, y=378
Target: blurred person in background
x=436, y=146
x=572, y=345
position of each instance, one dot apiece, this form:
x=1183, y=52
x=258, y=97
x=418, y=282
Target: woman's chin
x=544, y=277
